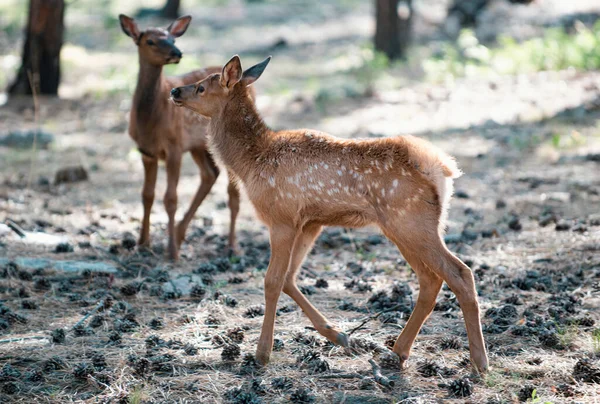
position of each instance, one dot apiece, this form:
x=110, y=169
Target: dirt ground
x=118, y=325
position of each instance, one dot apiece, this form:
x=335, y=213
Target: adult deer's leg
x=170, y=200
x=282, y=241
x=150, y=171
x=302, y=246
x=234, y=207
x=208, y=176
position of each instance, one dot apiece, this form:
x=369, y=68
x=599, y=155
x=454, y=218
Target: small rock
x=546, y=219
x=58, y=336
x=500, y=204
x=128, y=241
x=452, y=238
x=70, y=174
x=515, y=224
x=489, y=233
x=302, y=395
x=375, y=239
x=526, y=393
x=469, y=235
x=63, y=248
x=461, y=194
x=26, y=139
x=562, y=225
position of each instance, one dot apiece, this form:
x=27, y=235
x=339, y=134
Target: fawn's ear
x=232, y=72
x=179, y=26
x=252, y=74
x=129, y=27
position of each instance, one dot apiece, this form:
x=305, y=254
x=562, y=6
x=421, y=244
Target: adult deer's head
x=156, y=45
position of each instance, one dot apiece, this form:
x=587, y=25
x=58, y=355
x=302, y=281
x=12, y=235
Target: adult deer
x=163, y=132
x=301, y=180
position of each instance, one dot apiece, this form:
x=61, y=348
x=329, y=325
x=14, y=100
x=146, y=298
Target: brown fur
x=163, y=132
x=301, y=180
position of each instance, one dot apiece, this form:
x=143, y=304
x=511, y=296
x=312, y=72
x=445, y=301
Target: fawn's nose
x=176, y=53
x=175, y=93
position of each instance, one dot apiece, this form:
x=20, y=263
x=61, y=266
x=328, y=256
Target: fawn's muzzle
x=176, y=92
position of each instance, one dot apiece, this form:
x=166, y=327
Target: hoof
x=233, y=251
x=343, y=340
x=262, y=360
x=481, y=368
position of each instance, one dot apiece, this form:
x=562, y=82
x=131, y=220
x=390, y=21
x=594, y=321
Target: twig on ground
x=6, y=341
x=16, y=228
x=342, y=376
x=91, y=313
x=371, y=317
x=379, y=378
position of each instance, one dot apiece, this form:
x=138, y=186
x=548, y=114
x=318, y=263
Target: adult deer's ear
x=252, y=74
x=232, y=73
x=129, y=27
x=179, y=26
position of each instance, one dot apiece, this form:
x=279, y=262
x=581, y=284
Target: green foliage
x=536, y=399
x=555, y=50
x=596, y=340
x=567, y=141
x=353, y=74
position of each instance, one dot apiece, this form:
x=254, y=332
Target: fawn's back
x=308, y=176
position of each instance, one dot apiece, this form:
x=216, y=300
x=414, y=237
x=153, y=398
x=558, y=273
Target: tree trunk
x=171, y=9
x=41, y=53
x=393, y=31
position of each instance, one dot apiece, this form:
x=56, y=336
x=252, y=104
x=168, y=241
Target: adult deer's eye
x=150, y=42
x=200, y=89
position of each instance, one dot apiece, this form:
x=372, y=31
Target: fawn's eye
x=200, y=89
x=150, y=42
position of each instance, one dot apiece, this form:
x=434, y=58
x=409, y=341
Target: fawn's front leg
x=234, y=208
x=170, y=200
x=150, y=171
x=302, y=245
x=282, y=241
x=208, y=175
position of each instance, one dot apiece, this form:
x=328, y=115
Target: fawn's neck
x=239, y=135
x=148, y=90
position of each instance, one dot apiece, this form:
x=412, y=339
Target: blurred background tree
x=170, y=10
x=41, y=52
x=393, y=27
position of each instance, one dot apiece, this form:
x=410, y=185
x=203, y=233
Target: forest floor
x=525, y=217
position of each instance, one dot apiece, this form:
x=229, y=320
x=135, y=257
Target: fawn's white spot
x=395, y=183
x=272, y=181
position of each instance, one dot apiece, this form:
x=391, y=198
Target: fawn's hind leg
x=428, y=255
x=429, y=287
